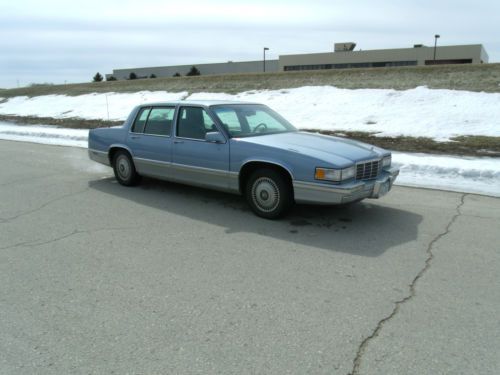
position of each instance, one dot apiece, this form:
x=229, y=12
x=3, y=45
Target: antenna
x=107, y=105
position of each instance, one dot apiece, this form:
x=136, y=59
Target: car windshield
x=249, y=120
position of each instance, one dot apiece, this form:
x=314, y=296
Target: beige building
x=345, y=57
x=205, y=69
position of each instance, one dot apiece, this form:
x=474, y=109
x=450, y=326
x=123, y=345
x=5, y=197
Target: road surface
x=97, y=278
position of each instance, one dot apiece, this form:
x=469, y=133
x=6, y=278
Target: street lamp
x=265, y=49
x=435, y=45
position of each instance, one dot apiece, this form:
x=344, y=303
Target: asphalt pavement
x=97, y=278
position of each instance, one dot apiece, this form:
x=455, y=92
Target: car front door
x=150, y=139
x=195, y=160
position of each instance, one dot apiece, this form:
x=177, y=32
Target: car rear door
x=150, y=139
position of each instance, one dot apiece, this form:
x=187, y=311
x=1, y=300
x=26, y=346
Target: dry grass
x=483, y=77
x=465, y=145
x=73, y=123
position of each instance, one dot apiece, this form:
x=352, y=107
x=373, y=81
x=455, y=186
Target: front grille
x=366, y=171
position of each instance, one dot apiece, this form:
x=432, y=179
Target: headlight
x=386, y=161
x=348, y=173
x=335, y=174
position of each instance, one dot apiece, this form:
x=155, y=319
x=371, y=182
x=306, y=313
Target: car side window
x=160, y=121
x=140, y=120
x=194, y=122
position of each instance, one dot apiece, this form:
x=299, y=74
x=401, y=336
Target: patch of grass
x=73, y=123
x=479, y=142
x=464, y=145
x=471, y=77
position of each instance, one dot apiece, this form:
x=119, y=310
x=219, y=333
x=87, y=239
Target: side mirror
x=215, y=137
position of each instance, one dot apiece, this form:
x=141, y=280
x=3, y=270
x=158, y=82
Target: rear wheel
x=269, y=193
x=124, y=169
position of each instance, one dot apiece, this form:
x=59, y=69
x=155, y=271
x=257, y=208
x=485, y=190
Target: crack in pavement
x=74, y=232
x=430, y=255
x=30, y=179
x=9, y=219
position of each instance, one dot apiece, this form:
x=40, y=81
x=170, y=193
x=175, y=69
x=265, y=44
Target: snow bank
x=463, y=174
x=49, y=135
x=420, y=112
x=89, y=106
x=439, y=114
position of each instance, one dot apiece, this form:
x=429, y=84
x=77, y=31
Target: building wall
x=484, y=55
x=205, y=69
x=473, y=53
x=405, y=56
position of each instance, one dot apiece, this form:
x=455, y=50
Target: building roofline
x=196, y=65
x=385, y=49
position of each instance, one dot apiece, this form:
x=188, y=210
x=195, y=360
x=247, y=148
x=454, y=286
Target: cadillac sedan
x=242, y=148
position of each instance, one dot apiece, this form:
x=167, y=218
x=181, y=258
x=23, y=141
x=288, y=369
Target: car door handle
x=178, y=141
x=135, y=136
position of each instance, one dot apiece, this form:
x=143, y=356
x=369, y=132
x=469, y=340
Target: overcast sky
x=71, y=40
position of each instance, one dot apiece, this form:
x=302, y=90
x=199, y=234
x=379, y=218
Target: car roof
x=206, y=103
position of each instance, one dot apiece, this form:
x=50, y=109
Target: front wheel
x=269, y=193
x=124, y=169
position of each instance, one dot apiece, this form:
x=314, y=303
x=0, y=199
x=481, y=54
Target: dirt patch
x=73, y=122
x=463, y=145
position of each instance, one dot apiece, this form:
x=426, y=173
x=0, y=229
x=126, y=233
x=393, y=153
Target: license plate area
x=384, y=188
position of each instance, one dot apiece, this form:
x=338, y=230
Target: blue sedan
x=242, y=148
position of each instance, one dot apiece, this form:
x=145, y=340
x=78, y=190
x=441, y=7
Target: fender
x=120, y=145
x=268, y=161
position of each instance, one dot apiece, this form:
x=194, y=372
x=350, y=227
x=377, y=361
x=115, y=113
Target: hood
x=335, y=150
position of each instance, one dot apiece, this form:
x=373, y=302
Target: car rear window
x=140, y=120
x=160, y=121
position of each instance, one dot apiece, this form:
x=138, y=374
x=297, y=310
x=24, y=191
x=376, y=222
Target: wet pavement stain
x=300, y=223
x=345, y=219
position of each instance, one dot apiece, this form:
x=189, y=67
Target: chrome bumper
x=316, y=193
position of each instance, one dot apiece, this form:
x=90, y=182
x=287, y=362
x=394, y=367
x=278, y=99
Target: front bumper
x=318, y=193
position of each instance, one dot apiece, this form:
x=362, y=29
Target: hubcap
x=123, y=167
x=265, y=194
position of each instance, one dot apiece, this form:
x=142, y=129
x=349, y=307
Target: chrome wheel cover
x=265, y=194
x=123, y=167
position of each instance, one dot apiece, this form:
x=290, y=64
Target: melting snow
x=439, y=114
x=465, y=174
x=419, y=112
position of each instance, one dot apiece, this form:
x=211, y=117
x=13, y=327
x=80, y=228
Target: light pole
x=435, y=45
x=264, y=61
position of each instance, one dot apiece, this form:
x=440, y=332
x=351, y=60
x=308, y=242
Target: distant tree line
x=194, y=71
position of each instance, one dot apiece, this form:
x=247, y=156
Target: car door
x=150, y=139
x=195, y=160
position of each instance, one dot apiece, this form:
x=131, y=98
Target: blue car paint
x=297, y=152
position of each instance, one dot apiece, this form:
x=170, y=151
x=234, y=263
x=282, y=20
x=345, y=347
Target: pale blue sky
x=58, y=41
